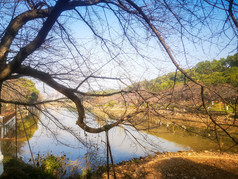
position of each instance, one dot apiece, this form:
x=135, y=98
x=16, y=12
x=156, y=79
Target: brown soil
x=180, y=165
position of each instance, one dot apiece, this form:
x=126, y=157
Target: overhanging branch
x=69, y=93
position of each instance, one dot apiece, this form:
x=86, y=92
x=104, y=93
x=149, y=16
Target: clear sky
x=151, y=61
x=145, y=59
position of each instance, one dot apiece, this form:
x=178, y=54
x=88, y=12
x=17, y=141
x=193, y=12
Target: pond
x=61, y=136
x=55, y=132
x=59, y=140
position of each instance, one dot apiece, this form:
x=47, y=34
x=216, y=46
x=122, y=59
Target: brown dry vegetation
x=179, y=165
x=185, y=95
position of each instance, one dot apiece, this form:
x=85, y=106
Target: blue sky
x=150, y=61
x=155, y=62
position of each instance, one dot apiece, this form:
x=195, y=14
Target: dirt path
x=180, y=165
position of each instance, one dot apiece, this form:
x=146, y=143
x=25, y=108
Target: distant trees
x=218, y=71
x=230, y=61
x=208, y=67
x=223, y=71
x=22, y=91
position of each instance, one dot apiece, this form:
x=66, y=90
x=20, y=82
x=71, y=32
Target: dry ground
x=180, y=165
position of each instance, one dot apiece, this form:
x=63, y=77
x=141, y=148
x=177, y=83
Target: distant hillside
x=223, y=71
x=220, y=75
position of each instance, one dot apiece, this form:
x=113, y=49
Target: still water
x=57, y=133
x=76, y=143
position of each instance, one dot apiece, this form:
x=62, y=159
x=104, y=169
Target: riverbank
x=179, y=165
x=184, y=164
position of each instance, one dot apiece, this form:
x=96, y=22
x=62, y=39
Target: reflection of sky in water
x=123, y=145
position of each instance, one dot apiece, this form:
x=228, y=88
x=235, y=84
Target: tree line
x=215, y=72
x=21, y=90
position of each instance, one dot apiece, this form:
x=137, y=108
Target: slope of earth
x=180, y=165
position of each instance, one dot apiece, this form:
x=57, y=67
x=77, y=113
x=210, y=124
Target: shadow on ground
x=185, y=168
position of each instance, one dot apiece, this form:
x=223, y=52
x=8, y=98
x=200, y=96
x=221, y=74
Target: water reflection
x=56, y=132
x=52, y=136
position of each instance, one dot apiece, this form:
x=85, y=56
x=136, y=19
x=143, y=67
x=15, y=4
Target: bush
x=17, y=168
x=53, y=165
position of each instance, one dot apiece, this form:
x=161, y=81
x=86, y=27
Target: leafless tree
x=75, y=46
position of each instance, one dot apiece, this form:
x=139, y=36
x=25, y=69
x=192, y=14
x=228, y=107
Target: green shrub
x=17, y=168
x=53, y=165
